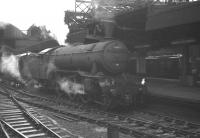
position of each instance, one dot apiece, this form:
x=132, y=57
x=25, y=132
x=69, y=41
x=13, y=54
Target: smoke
x=50, y=67
x=2, y=25
x=47, y=31
x=71, y=87
x=58, y=32
x=65, y=84
x=10, y=65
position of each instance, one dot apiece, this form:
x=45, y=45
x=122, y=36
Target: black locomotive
x=87, y=73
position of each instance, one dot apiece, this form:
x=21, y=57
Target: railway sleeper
x=36, y=135
x=24, y=128
x=165, y=133
x=14, y=119
x=28, y=131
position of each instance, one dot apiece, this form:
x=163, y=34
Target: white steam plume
x=50, y=67
x=71, y=87
x=10, y=65
x=2, y=25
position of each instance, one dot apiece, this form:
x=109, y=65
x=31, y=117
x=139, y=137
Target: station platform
x=172, y=89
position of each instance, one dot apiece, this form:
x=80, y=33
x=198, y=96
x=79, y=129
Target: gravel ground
x=80, y=128
x=87, y=130
x=181, y=112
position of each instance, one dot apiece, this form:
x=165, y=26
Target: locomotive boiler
x=88, y=73
x=107, y=57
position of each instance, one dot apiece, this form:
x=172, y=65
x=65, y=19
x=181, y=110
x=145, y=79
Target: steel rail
x=132, y=119
x=6, y=135
x=109, y=123
x=41, y=128
x=36, y=121
x=13, y=130
x=103, y=122
x=122, y=129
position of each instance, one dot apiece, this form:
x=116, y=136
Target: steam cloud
x=9, y=65
x=71, y=87
x=59, y=32
x=50, y=67
x=2, y=25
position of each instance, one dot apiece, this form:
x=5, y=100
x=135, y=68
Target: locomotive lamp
x=143, y=81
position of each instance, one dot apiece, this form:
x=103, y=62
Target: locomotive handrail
x=81, y=73
x=95, y=51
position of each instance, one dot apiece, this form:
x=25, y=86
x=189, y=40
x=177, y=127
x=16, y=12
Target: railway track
x=165, y=127
x=18, y=122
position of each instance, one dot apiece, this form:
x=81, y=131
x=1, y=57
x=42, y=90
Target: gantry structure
x=88, y=15
x=88, y=12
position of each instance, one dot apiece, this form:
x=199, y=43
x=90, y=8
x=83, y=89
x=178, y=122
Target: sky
x=24, y=13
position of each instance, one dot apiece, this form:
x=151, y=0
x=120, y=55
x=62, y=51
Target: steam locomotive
x=87, y=73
